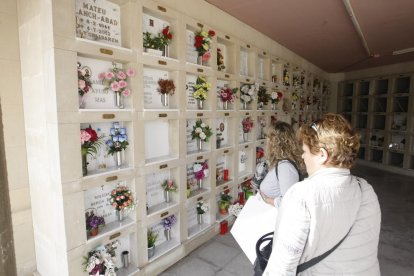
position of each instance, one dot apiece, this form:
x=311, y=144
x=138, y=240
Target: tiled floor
x=223, y=257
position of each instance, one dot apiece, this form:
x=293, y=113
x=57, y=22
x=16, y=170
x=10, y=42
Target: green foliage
x=152, y=237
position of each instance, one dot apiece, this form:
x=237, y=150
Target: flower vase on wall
x=244, y=106
x=200, y=60
x=167, y=234
x=84, y=165
x=81, y=102
x=94, y=232
x=167, y=196
x=119, y=102
x=118, y=158
x=245, y=137
x=273, y=106
x=199, y=144
x=120, y=214
x=200, y=184
x=165, y=51
x=225, y=105
x=200, y=104
x=151, y=252
x=164, y=99
x=200, y=219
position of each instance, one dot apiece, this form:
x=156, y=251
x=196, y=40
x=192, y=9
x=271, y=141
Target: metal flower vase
x=81, y=102
x=200, y=104
x=200, y=184
x=200, y=219
x=245, y=136
x=118, y=158
x=167, y=196
x=120, y=214
x=167, y=234
x=151, y=251
x=244, y=105
x=200, y=60
x=119, y=102
x=164, y=99
x=225, y=105
x=165, y=51
x=84, y=165
x=273, y=106
x=199, y=144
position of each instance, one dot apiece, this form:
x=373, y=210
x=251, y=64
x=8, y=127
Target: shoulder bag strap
x=291, y=162
x=314, y=261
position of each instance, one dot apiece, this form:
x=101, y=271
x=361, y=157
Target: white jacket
x=315, y=215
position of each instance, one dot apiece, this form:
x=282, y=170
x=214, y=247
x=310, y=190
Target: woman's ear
x=323, y=156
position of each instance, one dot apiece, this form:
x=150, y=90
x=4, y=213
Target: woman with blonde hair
x=283, y=156
x=329, y=223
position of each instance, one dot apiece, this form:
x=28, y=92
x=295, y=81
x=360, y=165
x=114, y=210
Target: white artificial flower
x=197, y=167
x=245, y=88
x=202, y=136
x=203, y=125
x=274, y=95
x=198, y=130
x=206, y=172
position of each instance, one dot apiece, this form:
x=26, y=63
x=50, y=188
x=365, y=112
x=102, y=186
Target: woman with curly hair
x=283, y=155
x=328, y=224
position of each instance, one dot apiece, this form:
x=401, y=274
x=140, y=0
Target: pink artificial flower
x=81, y=84
x=115, y=86
x=109, y=75
x=84, y=136
x=130, y=72
x=121, y=75
x=126, y=92
x=101, y=76
x=206, y=56
x=122, y=84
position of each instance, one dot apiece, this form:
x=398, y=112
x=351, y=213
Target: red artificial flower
x=169, y=36
x=92, y=133
x=199, y=39
x=197, y=44
x=279, y=95
x=166, y=31
x=211, y=33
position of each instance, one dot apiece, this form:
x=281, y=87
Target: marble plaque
x=98, y=20
x=222, y=130
x=99, y=97
x=152, y=98
x=157, y=141
x=190, y=82
x=191, y=51
x=153, y=181
x=191, y=144
x=153, y=24
x=244, y=63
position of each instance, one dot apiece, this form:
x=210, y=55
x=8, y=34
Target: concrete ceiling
x=322, y=31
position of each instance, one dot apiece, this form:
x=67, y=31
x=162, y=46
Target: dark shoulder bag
x=263, y=253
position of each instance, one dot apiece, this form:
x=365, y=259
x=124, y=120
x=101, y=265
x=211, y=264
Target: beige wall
x=14, y=138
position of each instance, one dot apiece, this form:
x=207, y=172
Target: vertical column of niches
x=316, y=94
x=161, y=139
x=298, y=87
x=226, y=54
x=159, y=32
x=105, y=148
x=200, y=42
x=104, y=84
x=247, y=60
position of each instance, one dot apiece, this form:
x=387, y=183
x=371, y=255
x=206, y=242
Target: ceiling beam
x=354, y=20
